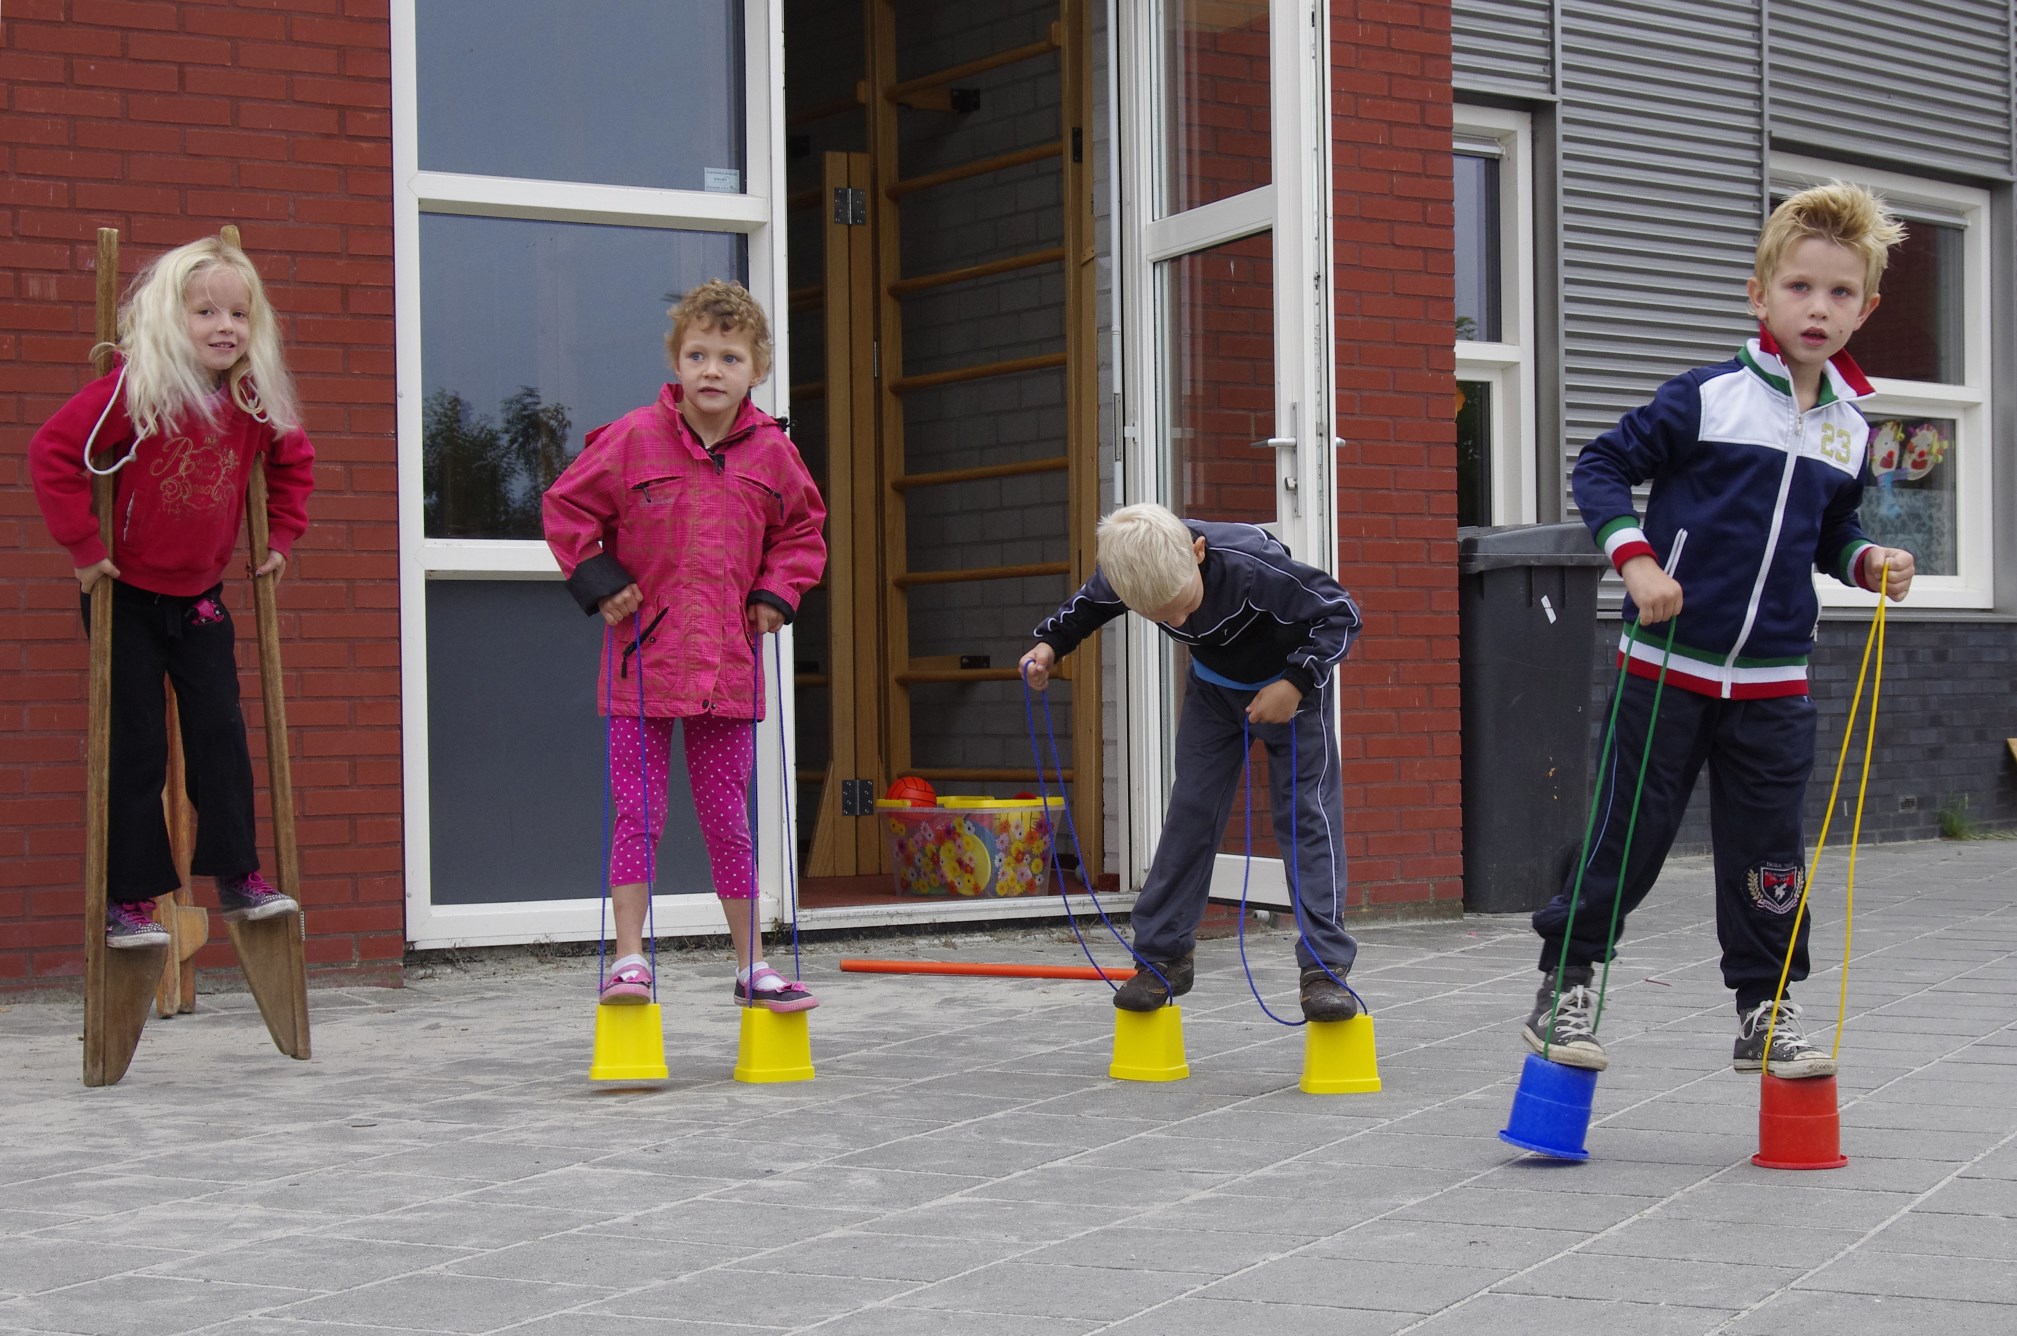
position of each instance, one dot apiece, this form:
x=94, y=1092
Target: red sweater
x=179, y=503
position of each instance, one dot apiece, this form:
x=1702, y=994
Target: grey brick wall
x=1949, y=701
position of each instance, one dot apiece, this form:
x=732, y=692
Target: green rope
x=1590, y=824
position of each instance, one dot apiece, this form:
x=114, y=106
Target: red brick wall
x=167, y=120
x=1390, y=87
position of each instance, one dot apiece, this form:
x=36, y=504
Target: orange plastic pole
x=860, y=965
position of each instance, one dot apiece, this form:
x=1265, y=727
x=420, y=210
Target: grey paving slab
x=963, y=1164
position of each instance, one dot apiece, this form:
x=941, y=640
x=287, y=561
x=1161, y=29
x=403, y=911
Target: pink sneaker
x=132, y=925
x=627, y=986
x=772, y=991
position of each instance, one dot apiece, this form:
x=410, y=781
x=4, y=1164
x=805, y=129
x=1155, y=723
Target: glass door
x=1224, y=257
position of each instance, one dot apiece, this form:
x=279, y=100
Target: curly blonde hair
x=1847, y=214
x=727, y=307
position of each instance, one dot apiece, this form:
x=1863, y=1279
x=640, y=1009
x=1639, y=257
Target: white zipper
x=1771, y=546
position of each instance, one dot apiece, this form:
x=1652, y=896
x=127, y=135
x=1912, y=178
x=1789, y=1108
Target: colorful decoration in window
x=1903, y=451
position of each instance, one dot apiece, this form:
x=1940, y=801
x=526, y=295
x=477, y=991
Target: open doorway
x=940, y=177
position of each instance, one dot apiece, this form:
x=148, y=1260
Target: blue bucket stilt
x=1551, y=1109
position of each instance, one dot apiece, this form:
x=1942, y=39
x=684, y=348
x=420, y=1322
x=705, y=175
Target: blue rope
x=608, y=824
x=1071, y=825
x=644, y=773
x=1295, y=867
x=784, y=792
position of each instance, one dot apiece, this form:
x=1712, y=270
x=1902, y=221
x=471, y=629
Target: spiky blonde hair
x=165, y=380
x=727, y=307
x=1842, y=212
x=1146, y=554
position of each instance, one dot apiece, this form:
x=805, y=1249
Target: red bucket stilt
x=1799, y=1126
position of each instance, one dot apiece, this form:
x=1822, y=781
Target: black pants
x=1310, y=833
x=189, y=642
x=1759, y=754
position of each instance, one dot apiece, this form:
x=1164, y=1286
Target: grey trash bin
x=1527, y=607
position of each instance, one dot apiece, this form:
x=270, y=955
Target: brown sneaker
x=1146, y=992
x=1325, y=999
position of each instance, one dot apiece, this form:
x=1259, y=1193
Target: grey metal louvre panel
x=1662, y=153
x=1925, y=84
x=1504, y=44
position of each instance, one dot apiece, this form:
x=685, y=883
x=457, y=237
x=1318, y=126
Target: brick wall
x=167, y=120
x=1392, y=220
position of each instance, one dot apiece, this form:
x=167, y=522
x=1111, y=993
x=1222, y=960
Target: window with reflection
x=612, y=92
x=1216, y=137
x=532, y=333
x=1479, y=263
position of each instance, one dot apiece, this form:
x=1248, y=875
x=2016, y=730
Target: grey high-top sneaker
x=1792, y=1055
x=1569, y=1040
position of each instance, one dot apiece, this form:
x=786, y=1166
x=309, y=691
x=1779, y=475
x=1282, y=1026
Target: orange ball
x=915, y=791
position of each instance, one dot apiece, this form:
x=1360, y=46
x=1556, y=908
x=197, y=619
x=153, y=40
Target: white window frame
x=1507, y=365
x=1967, y=403
x=755, y=213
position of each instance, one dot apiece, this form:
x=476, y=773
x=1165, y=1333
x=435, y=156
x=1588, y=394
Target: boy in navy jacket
x=1265, y=633
x=1760, y=462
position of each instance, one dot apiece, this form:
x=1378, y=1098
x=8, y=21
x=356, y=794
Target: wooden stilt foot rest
x=269, y=951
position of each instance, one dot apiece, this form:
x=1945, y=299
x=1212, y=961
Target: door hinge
x=850, y=206
x=857, y=797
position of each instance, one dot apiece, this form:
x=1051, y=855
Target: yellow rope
x=1875, y=641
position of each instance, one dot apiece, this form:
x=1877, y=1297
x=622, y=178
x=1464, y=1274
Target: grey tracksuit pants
x=1205, y=796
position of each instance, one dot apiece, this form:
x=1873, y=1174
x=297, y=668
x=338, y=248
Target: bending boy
x=1265, y=633
x=1761, y=460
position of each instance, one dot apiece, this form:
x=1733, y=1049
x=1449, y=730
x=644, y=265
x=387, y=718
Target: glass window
x=1480, y=280
x=1492, y=278
x=1912, y=504
x=1216, y=101
x=1917, y=331
x=1474, y=452
x=533, y=333
x=607, y=91
x=1218, y=332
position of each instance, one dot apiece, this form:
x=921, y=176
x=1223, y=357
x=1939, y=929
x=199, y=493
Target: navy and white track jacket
x=1265, y=615
x=1766, y=494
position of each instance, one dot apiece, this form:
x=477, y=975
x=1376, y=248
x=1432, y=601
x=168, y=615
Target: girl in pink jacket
x=693, y=528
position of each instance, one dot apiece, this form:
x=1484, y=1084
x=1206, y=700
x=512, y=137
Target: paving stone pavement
x=962, y=1163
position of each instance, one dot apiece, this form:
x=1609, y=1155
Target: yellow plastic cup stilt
x=1339, y=1058
x=1149, y=1045
x=774, y=1046
x=629, y=1044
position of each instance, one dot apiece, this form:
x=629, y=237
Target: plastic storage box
x=969, y=846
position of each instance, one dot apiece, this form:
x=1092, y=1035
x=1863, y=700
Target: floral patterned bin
x=969, y=846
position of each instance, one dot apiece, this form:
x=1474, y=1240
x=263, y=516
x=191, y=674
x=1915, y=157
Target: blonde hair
x=727, y=307
x=1846, y=214
x=165, y=380
x=1147, y=556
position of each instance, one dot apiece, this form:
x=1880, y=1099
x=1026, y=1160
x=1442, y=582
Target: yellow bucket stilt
x=1338, y=1058
x=629, y=1044
x=774, y=1046
x=1149, y=1045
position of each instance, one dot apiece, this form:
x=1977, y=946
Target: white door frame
x=756, y=213
x=1296, y=208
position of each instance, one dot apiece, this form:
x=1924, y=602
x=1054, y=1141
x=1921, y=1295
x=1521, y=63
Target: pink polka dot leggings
x=719, y=753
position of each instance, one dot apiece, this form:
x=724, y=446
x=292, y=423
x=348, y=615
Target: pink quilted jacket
x=703, y=535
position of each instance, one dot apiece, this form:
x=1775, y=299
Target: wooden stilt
x=270, y=951
x=118, y=985
x=188, y=923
